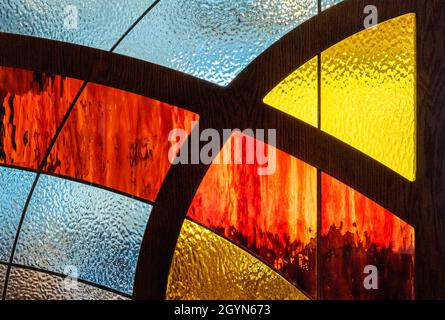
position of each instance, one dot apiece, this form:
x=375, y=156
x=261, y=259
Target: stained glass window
x=82, y=164
x=121, y=149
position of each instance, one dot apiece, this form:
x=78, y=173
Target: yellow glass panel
x=297, y=95
x=207, y=267
x=369, y=93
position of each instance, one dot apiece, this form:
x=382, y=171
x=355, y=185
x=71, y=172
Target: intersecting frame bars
x=240, y=105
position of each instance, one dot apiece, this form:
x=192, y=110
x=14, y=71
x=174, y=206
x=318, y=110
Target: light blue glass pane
x=15, y=186
x=72, y=227
x=325, y=4
x=93, y=23
x=213, y=39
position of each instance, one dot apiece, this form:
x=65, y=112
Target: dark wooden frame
x=239, y=105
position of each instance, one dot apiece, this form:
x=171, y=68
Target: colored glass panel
x=92, y=23
x=73, y=226
x=273, y=216
x=118, y=139
x=357, y=232
x=15, y=186
x=297, y=95
x=27, y=284
x=3, y=269
x=325, y=4
x=369, y=93
x=208, y=267
x=32, y=106
x=213, y=40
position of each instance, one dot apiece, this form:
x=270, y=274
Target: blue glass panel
x=213, y=39
x=325, y=4
x=91, y=23
x=75, y=228
x=15, y=186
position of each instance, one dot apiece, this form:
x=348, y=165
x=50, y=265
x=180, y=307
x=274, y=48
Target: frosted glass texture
x=93, y=23
x=14, y=189
x=2, y=276
x=325, y=4
x=27, y=284
x=72, y=226
x=213, y=40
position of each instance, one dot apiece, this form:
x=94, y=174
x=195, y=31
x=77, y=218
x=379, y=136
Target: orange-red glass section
x=119, y=140
x=32, y=106
x=357, y=232
x=273, y=216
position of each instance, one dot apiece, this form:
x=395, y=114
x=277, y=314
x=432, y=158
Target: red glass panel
x=357, y=232
x=273, y=216
x=119, y=140
x=32, y=107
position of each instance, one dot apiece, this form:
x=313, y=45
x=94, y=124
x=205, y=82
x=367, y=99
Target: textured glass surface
x=118, y=139
x=297, y=95
x=100, y=23
x=369, y=93
x=325, y=4
x=32, y=105
x=273, y=216
x=3, y=269
x=206, y=266
x=27, y=284
x=213, y=40
x=15, y=186
x=69, y=224
x=357, y=232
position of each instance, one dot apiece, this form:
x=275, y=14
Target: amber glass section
x=32, y=107
x=357, y=232
x=297, y=95
x=207, y=267
x=119, y=140
x=368, y=94
x=273, y=216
